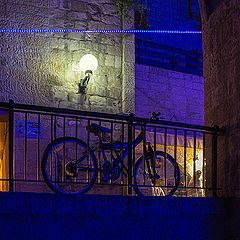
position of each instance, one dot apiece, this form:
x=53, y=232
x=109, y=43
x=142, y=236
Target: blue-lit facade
x=175, y=52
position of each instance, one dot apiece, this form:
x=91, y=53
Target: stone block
x=72, y=97
x=98, y=90
x=97, y=100
x=42, y=4
x=80, y=25
x=114, y=93
x=129, y=53
x=118, y=62
x=109, y=60
x=109, y=8
x=3, y=9
x=78, y=6
x=26, y=10
x=53, y=3
x=4, y=97
x=78, y=16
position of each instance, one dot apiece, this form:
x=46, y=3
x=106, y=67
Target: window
x=190, y=9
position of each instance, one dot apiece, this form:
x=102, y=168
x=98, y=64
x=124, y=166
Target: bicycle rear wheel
x=166, y=179
x=67, y=167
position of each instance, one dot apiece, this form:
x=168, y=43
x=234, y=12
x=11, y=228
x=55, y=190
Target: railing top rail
x=180, y=125
x=123, y=117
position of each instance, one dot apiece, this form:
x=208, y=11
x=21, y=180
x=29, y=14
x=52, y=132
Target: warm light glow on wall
x=199, y=161
x=3, y=155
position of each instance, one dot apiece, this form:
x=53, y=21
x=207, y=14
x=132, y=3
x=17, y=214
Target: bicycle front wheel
x=68, y=167
x=163, y=181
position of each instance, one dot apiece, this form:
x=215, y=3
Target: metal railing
x=167, y=57
x=113, y=154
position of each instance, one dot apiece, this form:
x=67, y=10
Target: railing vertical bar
x=143, y=129
x=25, y=146
x=76, y=145
x=88, y=152
x=133, y=149
x=38, y=147
x=204, y=161
x=51, y=155
x=11, y=146
x=185, y=158
x=130, y=152
x=175, y=153
x=54, y=127
x=64, y=150
x=154, y=152
x=165, y=159
x=194, y=159
x=111, y=157
x=155, y=140
x=99, y=153
x=122, y=141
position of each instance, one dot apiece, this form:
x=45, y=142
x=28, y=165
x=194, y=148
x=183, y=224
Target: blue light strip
x=96, y=31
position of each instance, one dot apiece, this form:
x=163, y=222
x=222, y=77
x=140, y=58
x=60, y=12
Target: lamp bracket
x=84, y=82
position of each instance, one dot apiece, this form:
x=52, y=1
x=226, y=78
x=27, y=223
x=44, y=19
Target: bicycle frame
x=120, y=157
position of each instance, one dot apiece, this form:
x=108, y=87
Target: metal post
x=130, y=153
x=214, y=161
x=11, y=144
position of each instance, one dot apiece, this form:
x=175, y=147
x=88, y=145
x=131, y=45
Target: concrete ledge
x=51, y=216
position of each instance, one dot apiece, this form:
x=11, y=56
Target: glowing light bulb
x=88, y=63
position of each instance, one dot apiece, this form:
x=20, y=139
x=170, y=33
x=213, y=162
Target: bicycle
x=69, y=165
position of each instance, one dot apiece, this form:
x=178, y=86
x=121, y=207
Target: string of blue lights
x=130, y=31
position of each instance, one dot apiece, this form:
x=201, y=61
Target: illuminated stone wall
x=221, y=45
x=178, y=96
x=40, y=68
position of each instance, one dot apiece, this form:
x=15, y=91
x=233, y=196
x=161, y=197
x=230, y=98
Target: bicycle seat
x=96, y=127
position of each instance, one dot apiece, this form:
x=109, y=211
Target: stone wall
x=178, y=96
x=41, y=68
x=221, y=45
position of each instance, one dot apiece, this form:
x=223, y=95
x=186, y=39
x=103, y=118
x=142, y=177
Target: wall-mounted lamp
x=88, y=64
